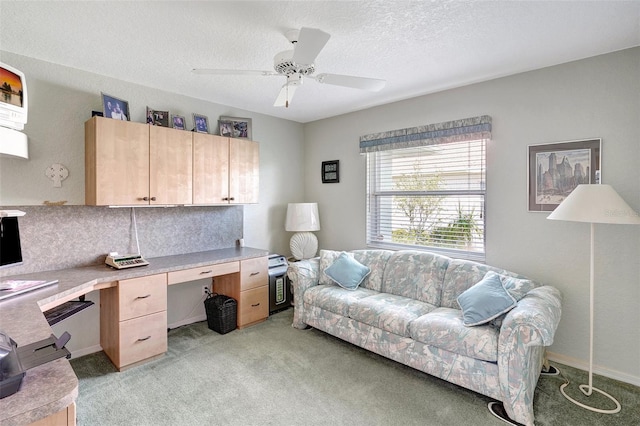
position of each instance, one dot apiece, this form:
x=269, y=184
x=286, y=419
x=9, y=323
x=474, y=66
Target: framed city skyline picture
x=555, y=169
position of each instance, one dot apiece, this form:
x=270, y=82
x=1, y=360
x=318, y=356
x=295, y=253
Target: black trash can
x=222, y=313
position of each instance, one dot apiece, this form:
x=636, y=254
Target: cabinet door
x=170, y=166
x=210, y=169
x=116, y=162
x=244, y=171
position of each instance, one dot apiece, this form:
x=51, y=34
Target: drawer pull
x=143, y=297
x=206, y=272
x=142, y=339
x=256, y=305
x=253, y=274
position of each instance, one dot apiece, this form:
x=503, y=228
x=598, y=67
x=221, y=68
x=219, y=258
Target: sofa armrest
x=525, y=331
x=539, y=313
x=303, y=275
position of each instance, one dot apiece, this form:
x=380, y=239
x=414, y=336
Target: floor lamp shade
x=594, y=204
x=303, y=218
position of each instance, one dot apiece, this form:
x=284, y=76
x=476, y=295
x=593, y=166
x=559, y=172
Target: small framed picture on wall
x=331, y=171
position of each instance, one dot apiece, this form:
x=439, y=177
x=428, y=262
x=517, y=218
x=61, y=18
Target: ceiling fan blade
x=285, y=96
x=207, y=71
x=310, y=42
x=364, y=83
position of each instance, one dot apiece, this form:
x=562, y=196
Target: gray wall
x=597, y=97
x=60, y=101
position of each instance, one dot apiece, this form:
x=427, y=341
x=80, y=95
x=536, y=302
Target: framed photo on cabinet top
x=200, y=123
x=115, y=108
x=179, y=122
x=555, y=169
x=240, y=127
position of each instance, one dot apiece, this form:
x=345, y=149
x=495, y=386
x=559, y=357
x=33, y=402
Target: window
x=428, y=193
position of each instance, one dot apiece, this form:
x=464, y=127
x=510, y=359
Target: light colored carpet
x=273, y=374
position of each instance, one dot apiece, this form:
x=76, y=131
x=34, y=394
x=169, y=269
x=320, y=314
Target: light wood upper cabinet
x=129, y=163
x=225, y=170
x=170, y=166
x=116, y=162
x=210, y=169
x=244, y=171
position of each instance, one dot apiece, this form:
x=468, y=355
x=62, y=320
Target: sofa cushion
x=347, y=272
x=334, y=298
x=461, y=275
x=486, y=300
x=416, y=275
x=389, y=312
x=376, y=260
x=443, y=328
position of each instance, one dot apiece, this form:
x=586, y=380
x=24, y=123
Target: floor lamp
x=302, y=218
x=594, y=204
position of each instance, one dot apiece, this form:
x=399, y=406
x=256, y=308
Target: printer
x=15, y=361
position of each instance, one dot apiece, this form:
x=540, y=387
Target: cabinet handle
x=225, y=199
x=153, y=198
x=253, y=274
x=143, y=297
x=256, y=305
x=145, y=198
x=206, y=272
x=142, y=339
x=231, y=198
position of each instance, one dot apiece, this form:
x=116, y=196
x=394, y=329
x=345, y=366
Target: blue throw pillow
x=485, y=301
x=347, y=272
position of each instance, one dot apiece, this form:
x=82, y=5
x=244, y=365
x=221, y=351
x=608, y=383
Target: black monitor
x=10, y=250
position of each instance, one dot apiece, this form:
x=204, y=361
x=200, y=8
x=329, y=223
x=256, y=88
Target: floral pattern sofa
x=406, y=309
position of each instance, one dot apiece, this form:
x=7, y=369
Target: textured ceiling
x=418, y=47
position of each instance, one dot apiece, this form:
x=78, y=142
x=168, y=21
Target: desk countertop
x=52, y=387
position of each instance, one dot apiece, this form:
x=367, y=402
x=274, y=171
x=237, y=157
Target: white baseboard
x=583, y=365
x=86, y=351
x=186, y=321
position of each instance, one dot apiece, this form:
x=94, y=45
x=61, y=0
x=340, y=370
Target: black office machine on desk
x=15, y=361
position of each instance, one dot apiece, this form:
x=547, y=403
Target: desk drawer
x=142, y=296
x=208, y=271
x=254, y=273
x=254, y=305
x=142, y=338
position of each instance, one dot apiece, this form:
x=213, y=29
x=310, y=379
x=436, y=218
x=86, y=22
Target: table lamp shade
x=302, y=217
x=595, y=203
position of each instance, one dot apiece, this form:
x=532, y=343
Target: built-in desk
x=48, y=392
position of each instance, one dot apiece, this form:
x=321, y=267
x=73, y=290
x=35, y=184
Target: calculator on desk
x=125, y=261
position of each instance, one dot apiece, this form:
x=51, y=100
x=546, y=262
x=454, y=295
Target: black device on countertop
x=15, y=361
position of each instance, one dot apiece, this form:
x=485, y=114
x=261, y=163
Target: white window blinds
x=426, y=188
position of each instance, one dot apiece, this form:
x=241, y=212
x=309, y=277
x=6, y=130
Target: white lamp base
x=303, y=245
x=587, y=391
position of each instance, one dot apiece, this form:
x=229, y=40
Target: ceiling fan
x=299, y=63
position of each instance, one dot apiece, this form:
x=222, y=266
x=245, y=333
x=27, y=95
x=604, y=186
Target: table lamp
x=302, y=218
x=594, y=204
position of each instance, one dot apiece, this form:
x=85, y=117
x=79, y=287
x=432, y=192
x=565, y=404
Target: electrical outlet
x=205, y=290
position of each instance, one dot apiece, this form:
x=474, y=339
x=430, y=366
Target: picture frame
x=555, y=169
x=115, y=108
x=331, y=171
x=157, y=118
x=200, y=123
x=178, y=122
x=241, y=127
x=225, y=128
